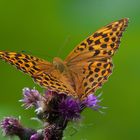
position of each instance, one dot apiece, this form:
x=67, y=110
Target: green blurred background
x=44, y=27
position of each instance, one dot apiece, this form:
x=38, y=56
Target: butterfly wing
x=40, y=70
x=26, y=63
x=91, y=60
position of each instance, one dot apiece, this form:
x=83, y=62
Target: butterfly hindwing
x=95, y=74
x=51, y=82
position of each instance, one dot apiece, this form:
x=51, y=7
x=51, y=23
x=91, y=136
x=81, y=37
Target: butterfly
x=83, y=71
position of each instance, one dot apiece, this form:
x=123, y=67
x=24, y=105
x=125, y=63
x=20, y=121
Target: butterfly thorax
x=59, y=64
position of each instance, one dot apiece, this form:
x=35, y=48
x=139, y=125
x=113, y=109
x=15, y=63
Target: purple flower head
x=11, y=126
x=92, y=101
x=51, y=95
x=31, y=98
x=43, y=105
x=69, y=108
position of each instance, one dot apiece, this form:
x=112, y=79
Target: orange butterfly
x=83, y=71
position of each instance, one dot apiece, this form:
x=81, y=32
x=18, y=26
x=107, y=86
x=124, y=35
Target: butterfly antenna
x=67, y=40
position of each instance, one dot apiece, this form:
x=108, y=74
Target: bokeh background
x=52, y=28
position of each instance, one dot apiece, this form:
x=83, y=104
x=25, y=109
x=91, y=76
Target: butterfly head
x=59, y=64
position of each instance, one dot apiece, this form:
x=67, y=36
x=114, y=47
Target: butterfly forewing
x=103, y=43
x=26, y=63
x=40, y=70
x=94, y=56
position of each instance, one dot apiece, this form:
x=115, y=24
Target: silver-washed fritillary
x=83, y=71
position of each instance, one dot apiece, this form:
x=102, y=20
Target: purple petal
x=31, y=98
x=69, y=108
x=91, y=101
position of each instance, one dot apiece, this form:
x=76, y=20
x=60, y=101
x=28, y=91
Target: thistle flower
x=53, y=110
x=31, y=98
x=69, y=108
x=92, y=101
x=12, y=126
